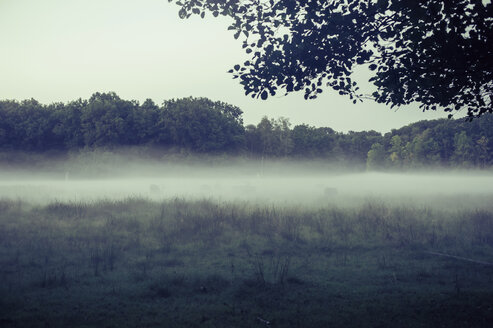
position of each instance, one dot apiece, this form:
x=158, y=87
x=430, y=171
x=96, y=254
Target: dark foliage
x=200, y=125
x=106, y=120
x=435, y=52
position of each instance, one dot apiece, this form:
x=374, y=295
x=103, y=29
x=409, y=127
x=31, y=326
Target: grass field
x=205, y=263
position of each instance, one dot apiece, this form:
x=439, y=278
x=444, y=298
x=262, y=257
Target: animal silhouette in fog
x=154, y=189
x=330, y=191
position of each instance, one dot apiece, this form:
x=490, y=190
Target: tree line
x=204, y=126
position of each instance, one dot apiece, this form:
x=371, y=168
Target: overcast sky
x=62, y=50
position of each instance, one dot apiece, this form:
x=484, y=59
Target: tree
x=483, y=150
x=68, y=124
x=268, y=141
x=146, y=121
x=464, y=149
x=313, y=142
x=27, y=125
x=376, y=157
x=435, y=52
x=423, y=149
x=107, y=120
x=202, y=125
x=356, y=145
x=282, y=126
x=274, y=136
x=396, y=151
x=8, y=137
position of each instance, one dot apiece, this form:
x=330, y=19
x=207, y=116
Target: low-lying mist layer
x=313, y=183
x=184, y=263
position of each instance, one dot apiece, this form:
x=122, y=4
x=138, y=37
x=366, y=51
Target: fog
x=280, y=182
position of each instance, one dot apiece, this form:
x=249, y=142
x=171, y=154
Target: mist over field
x=311, y=183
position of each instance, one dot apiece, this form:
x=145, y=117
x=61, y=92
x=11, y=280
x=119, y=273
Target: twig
x=263, y=321
x=460, y=258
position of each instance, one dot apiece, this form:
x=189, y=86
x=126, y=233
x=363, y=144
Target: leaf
x=264, y=95
x=237, y=67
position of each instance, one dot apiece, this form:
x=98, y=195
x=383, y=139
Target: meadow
x=197, y=262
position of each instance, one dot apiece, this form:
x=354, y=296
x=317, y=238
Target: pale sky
x=62, y=50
